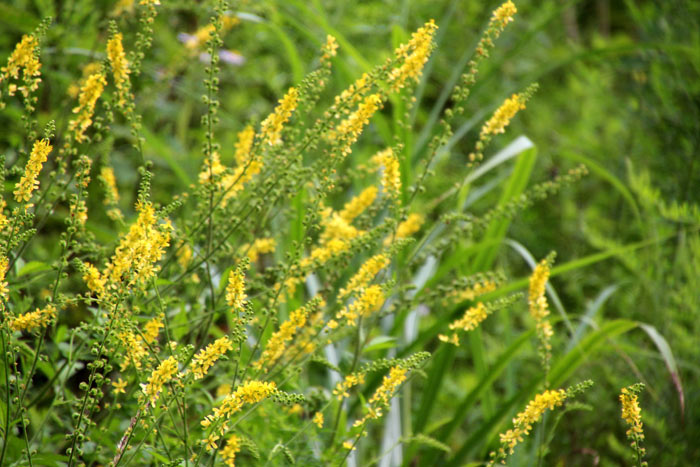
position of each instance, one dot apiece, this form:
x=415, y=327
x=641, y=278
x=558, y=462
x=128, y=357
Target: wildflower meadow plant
x=266, y=312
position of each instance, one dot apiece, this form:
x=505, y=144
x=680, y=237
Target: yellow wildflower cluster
x=276, y=344
x=632, y=415
x=152, y=329
x=350, y=381
x=537, y=303
x=135, y=350
x=411, y=225
x=369, y=301
x=3, y=217
x=318, y=419
x=522, y=424
x=34, y=319
x=502, y=116
x=228, y=453
x=139, y=250
x=110, y=183
x=206, y=357
x=367, y=271
x=381, y=397
x=89, y=93
x=391, y=177
x=24, y=58
x=329, y=49
x=120, y=67
x=271, y=127
x=350, y=129
x=4, y=290
x=413, y=54
x=504, y=14
x=160, y=376
x=235, y=290
x=244, y=143
x=471, y=319
x=202, y=35
x=259, y=247
x=93, y=279
x=29, y=182
x=119, y=386
x=250, y=392
x=470, y=293
x=358, y=204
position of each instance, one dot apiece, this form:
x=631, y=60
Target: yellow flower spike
x=381, y=397
x=632, y=415
x=24, y=58
x=89, y=93
x=271, y=127
x=414, y=54
x=244, y=143
x=318, y=419
x=329, y=49
x=135, y=350
x=504, y=14
x=235, y=290
x=358, y=204
x=228, y=453
x=539, y=310
x=152, y=329
x=349, y=130
x=522, y=423
x=110, y=184
x=369, y=301
x=29, y=321
x=350, y=381
x=120, y=67
x=4, y=290
x=503, y=115
x=261, y=246
x=160, y=376
x=471, y=319
x=250, y=392
x=411, y=225
x=206, y=357
x=366, y=273
x=28, y=183
x=276, y=345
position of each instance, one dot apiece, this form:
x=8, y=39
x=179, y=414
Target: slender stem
x=6, y=435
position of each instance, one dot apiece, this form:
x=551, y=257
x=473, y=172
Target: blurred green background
x=619, y=92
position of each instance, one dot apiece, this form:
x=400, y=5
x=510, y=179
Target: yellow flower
x=89, y=93
x=366, y=273
x=411, y=225
x=243, y=145
x=120, y=66
x=235, y=290
x=110, y=183
x=318, y=419
x=349, y=445
x=119, y=386
x=329, y=49
x=471, y=319
x=358, y=204
x=261, y=246
x=453, y=339
x=271, y=127
x=391, y=178
x=152, y=328
x=413, y=54
x=504, y=14
x=381, y=397
x=369, y=301
x=4, y=290
x=34, y=319
x=210, y=441
x=135, y=351
x=502, y=116
x=632, y=415
x=522, y=424
x=160, y=376
x=470, y=293
x=25, y=58
x=250, y=392
x=277, y=343
x=29, y=182
x=228, y=453
x=350, y=381
x=349, y=130
x=206, y=358
x=537, y=303
x=93, y=279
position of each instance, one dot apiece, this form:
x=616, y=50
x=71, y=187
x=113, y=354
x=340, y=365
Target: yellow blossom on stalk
x=522, y=424
x=632, y=415
x=471, y=319
x=329, y=49
x=537, y=303
x=210, y=441
x=502, y=116
x=381, y=397
x=453, y=339
x=135, y=351
x=504, y=14
x=89, y=93
x=202, y=35
x=3, y=217
x=120, y=66
x=349, y=445
x=391, y=177
x=318, y=419
x=350, y=381
x=34, y=319
x=23, y=57
x=260, y=246
x=140, y=248
x=350, y=129
x=336, y=227
x=4, y=290
x=228, y=453
x=119, y=386
x=235, y=290
x=470, y=293
x=152, y=329
x=184, y=255
x=160, y=376
x=411, y=225
x=29, y=182
x=93, y=279
x=244, y=143
x=250, y=392
x=369, y=301
x=413, y=54
x=271, y=127
x=110, y=183
x=277, y=343
x=206, y=358
x=211, y=169
x=358, y=204
x=366, y=273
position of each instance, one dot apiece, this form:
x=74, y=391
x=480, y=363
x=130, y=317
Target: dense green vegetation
x=618, y=92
